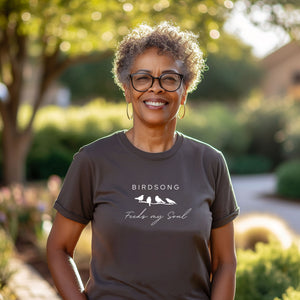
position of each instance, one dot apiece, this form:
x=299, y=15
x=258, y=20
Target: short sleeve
x=224, y=208
x=75, y=200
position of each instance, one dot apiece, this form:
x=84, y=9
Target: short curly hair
x=168, y=39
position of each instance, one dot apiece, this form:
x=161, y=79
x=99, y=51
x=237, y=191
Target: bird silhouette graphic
x=170, y=201
x=140, y=198
x=157, y=200
x=149, y=200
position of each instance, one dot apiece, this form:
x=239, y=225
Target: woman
x=160, y=203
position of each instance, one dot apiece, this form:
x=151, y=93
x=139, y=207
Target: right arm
x=61, y=243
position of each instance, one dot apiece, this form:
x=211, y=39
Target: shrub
x=290, y=294
x=49, y=154
x=288, y=179
x=263, y=122
x=217, y=125
x=230, y=75
x=291, y=137
x=249, y=164
x=6, y=250
x=267, y=272
x=61, y=132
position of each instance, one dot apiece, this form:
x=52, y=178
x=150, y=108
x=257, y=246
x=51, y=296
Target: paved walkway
x=27, y=284
x=254, y=195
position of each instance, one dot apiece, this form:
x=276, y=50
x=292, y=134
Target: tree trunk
x=16, y=146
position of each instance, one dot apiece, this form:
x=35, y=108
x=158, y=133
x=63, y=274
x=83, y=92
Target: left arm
x=223, y=263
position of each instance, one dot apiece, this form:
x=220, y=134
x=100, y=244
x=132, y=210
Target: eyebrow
x=163, y=72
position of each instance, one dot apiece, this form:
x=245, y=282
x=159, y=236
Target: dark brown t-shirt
x=151, y=216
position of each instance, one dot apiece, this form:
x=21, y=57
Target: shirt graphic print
x=147, y=199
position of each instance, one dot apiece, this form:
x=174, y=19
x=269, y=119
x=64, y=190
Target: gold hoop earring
x=181, y=113
x=127, y=112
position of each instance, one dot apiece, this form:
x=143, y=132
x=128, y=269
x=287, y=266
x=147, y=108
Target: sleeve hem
x=225, y=220
x=69, y=215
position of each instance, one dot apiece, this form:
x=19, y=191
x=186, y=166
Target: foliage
x=89, y=80
x=216, y=124
x=250, y=164
x=7, y=294
x=232, y=72
x=277, y=14
x=6, y=250
x=288, y=179
x=290, y=294
x=265, y=121
x=290, y=135
x=60, y=134
x=267, y=272
x=24, y=210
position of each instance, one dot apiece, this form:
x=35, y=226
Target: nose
x=156, y=88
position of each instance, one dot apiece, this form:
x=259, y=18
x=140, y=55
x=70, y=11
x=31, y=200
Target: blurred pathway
x=253, y=194
x=27, y=284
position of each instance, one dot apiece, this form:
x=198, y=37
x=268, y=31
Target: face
x=155, y=106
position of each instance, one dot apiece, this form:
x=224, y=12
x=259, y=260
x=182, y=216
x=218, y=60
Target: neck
x=152, y=139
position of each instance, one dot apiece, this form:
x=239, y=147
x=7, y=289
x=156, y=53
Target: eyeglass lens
x=168, y=81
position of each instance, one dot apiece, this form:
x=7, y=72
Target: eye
x=170, y=78
x=141, y=77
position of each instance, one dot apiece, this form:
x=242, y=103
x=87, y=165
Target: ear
x=127, y=93
x=184, y=95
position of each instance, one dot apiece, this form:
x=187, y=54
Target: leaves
x=284, y=14
x=78, y=26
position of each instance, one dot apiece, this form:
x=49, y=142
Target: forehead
x=152, y=60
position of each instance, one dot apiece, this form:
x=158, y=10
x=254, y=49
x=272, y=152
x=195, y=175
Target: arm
x=223, y=263
x=60, y=247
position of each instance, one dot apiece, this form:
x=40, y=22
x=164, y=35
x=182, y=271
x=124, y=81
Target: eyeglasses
x=170, y=82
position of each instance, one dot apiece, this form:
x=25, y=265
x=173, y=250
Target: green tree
x=56, y=34
x=232, y=72
x=277, y=13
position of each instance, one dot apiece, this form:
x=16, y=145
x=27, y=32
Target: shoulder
x=204, y=155
x=101, y=145
x=98, y=150
x=192, y=144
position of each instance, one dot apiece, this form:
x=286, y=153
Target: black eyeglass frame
x=153, y=78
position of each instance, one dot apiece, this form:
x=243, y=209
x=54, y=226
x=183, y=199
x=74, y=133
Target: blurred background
x=57, y=93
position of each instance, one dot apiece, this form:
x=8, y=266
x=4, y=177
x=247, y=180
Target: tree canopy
x=276, y=13
x=56, y=34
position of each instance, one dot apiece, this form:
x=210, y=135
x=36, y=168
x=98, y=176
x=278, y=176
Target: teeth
x=152, y=103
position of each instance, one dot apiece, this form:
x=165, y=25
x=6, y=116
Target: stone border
x=27, y=284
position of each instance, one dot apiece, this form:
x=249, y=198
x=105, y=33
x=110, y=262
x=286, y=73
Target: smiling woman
x=160, y=203
x=155, y=92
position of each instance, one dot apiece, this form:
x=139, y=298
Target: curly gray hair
x=168, y=39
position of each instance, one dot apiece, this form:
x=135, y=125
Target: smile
x=155, y=103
